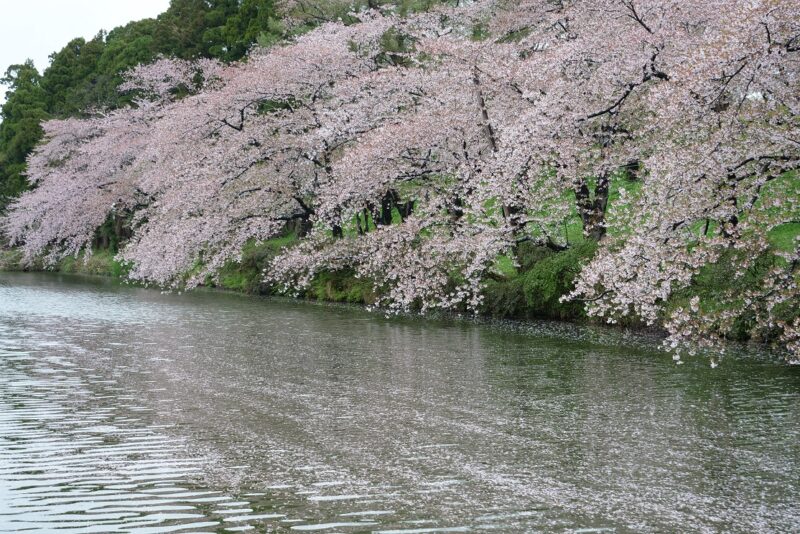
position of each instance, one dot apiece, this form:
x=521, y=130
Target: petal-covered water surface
x=124, y=409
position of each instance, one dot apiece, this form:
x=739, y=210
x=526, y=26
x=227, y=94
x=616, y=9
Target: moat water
x=126, y=410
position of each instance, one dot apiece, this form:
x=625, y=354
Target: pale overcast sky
x=34, y=29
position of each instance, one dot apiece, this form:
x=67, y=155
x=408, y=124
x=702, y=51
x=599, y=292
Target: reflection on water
x=122, y=409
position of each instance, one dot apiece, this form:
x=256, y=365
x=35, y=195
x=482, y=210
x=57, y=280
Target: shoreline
x=590, y=331
x=101, y=264
x=598, y=334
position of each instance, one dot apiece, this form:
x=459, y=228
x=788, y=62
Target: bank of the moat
x=532, y=290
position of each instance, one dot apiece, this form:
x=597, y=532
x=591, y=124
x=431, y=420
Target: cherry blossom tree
x=165, y=78
x=88, y=170
x=82, y=174
x=428, y=157
x=241, y=162
x=417, y=150
x=718, y=178
x=474, y=140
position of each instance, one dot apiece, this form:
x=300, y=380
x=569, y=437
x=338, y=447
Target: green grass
x=720, y=290
x=341, y=286
x=784, y=237
x=99, y=262
x=535, y=289
x=246, y=275
x=504, y=265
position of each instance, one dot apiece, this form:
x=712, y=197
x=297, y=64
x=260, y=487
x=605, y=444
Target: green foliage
x=129, y=45
x=110, y=235
x=272, y=106
x=722, y=286
x=395, y=45
x=480, y=32
x=99, y=263
x=515, y=36
x=236, y=26
x=235, y=280
x=246, y=275
x=273, y=33
x=544, y=277
x=504, y=265
x=11, y=259
x=72, y=81
x=341, y=286
x=553, y=277
x=21, y=114
x=529, y=255
x=504, y=299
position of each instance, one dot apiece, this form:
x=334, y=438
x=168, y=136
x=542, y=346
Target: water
x=122, y=409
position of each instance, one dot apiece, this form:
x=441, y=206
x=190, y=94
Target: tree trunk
x=300, y=226
x=592, y=207
x=388, y=203
x=511, y=215
x=456, y=210
x=405, y=209
x=509, y=212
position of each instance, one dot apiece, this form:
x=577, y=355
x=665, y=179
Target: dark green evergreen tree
x=20, y=129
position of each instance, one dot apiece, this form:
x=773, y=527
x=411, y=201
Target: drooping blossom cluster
x=415, y=151
x=83, y=173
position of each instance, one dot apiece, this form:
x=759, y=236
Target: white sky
x=34, y=29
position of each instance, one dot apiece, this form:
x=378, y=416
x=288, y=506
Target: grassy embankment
x=530, y=289
x=100, y=263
